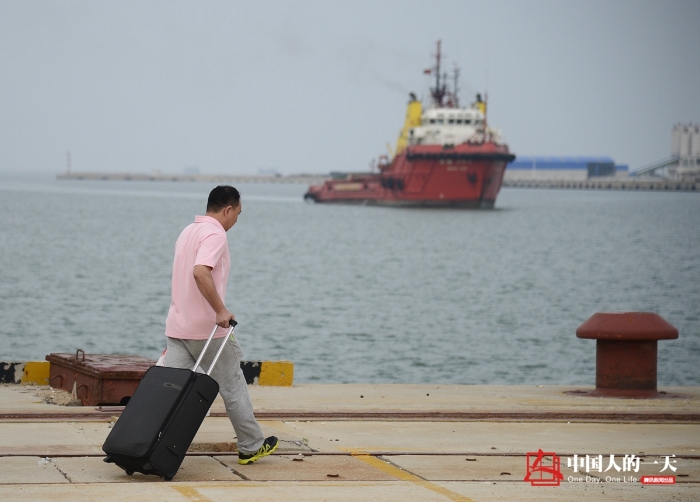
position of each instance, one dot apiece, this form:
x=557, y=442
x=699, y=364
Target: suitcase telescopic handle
x=232, y=324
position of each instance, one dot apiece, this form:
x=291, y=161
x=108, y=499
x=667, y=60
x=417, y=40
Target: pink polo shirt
x=201, y=243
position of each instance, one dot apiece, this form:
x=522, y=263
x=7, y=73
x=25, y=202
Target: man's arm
x=206, y=286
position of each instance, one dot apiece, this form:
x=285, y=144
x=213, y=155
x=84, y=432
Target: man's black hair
x=222, y=196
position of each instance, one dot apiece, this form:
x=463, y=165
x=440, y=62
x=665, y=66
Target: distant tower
x=68, y=162
x=685, y=145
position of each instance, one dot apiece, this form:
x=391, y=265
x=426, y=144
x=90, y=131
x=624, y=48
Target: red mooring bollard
x=626, y=352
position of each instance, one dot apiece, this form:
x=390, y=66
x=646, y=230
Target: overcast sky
x=316, y=86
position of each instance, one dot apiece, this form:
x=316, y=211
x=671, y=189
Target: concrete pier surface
x=376, y=442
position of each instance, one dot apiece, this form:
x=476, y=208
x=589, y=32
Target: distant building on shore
x=563, y=168
x=684, y=162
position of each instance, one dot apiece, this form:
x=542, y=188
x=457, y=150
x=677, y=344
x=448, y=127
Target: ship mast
x=438, y=92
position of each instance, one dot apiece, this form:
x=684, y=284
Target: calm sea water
x=357, y=294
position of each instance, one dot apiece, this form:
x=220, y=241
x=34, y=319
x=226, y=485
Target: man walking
x=200, y=275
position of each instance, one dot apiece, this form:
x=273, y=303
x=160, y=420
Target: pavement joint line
x=241, y=475
x=645, y=420
x=65, y=475
x=433, y=416
x=191, y=493
x=404, y=475
x=382, y=453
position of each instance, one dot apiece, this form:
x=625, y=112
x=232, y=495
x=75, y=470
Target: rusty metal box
x=98, y=379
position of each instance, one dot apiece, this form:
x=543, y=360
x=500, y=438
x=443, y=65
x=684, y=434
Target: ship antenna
x=437, y=72
x=438, y=92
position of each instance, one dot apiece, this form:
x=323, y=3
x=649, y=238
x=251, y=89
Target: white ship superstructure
x=451, y=126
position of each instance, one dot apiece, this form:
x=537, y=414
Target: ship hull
x=464, y=176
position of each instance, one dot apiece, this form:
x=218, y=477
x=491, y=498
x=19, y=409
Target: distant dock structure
x=563, y=169
x=629, y=184
x=684, y=162
x=195, y=177
x=574, y=182
x=679, y=172
x=588, y=173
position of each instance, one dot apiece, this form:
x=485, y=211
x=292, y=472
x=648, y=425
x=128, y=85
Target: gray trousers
x=183, y=353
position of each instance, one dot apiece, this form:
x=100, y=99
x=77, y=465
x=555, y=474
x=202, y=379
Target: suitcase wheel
x=107, y=460
x=129, y=473
x=167, y=478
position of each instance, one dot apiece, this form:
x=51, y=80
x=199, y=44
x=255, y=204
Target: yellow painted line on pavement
x=406, y=476
x=190, y=493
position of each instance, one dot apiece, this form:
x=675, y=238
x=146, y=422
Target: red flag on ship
x=428, y=71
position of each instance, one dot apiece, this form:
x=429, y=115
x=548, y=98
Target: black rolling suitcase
x=161, y=419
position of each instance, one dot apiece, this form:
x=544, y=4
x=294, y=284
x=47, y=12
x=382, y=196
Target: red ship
x=446, y=156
